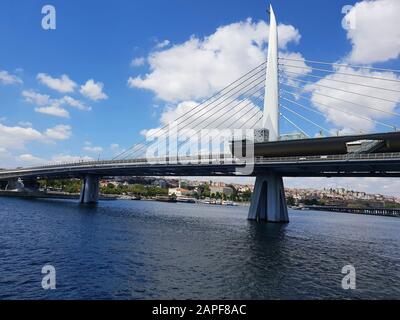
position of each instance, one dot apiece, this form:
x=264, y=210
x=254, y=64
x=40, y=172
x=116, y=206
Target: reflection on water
x=144, y=250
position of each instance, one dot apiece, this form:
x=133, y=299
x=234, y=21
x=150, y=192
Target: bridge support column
x=268, y=201
x=90, y=189
x=15, y=185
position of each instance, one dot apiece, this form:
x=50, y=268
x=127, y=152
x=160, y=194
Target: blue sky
x=100, y=45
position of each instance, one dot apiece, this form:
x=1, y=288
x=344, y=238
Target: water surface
x=151, y=250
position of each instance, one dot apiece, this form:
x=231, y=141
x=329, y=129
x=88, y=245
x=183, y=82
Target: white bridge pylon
x=268, y=201
x=271, y=97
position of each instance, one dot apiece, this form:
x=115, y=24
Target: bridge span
x=363, y=155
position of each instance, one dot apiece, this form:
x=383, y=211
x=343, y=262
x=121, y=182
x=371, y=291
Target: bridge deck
x=373, y=165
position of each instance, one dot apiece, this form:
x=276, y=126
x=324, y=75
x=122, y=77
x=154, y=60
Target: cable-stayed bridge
x=237, y=132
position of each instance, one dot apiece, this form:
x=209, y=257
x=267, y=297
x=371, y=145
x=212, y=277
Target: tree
x=290, y=201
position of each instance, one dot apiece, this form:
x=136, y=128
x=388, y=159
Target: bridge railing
x=370, y=156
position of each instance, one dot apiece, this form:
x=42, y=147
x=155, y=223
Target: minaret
x=271, y=99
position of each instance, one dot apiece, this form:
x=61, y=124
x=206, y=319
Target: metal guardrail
x=343, y=157
x=222, y=160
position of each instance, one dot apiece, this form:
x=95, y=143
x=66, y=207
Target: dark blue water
x=146, y=250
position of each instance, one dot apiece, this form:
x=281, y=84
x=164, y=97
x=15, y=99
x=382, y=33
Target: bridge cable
x=294, y=124
x=344, y=111
x=219, y=93
x=341, y=73
x=219, y=110
x=205, y=108
x=237, y=112
x=342, y=90
x=336, y=80
x=301, y=105
x=346, y=101
x=340, y=64
x=305, y=118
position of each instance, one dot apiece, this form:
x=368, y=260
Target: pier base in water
x=268, y=201
x=90, y=190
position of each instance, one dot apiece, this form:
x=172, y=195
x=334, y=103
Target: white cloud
x=69, y=158
x=93, y=149
x=114, y=146
x=137, y=62
x=53, y=110
x=25, y=124
x=294, y=66
x=163, y=44
x=376, y=33
x=8, y=160
x=344, y=120
x=93, y=90
x=236, y=114
x=45, y=104
x=36, y=98
x=7, y=78
x=28, y=159
x=199, y=67
x=75, y=103
x=63, y=84
x=59, y=132
x=116, y=149
x=17, y=137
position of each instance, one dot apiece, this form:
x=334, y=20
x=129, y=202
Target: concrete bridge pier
x=31, y=185
x=15, y=184
x=268, y=201
x=90, y=189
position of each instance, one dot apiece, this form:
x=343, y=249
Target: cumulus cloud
x=60, y=158
x=7, y=78
x=200, y=66
x=162, y=44
x=59, y=132
x=376, y=33
x=75, y=103
x=28, y=159
x=361, y=103
x=93, y=90
x=53, y=110
x=36, y=98
x=63, y=84
x=25, y=124
x=16, y=137
x=137, y=62
x=45, y=104
x=294, y=64
x=93, y=149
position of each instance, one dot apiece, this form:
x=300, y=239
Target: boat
x=229, y=203
x=185, y=200
x=165, y=199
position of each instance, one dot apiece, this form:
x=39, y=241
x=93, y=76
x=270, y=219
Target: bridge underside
x=344, y=168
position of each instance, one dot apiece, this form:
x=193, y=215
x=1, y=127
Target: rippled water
x=146, y=250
